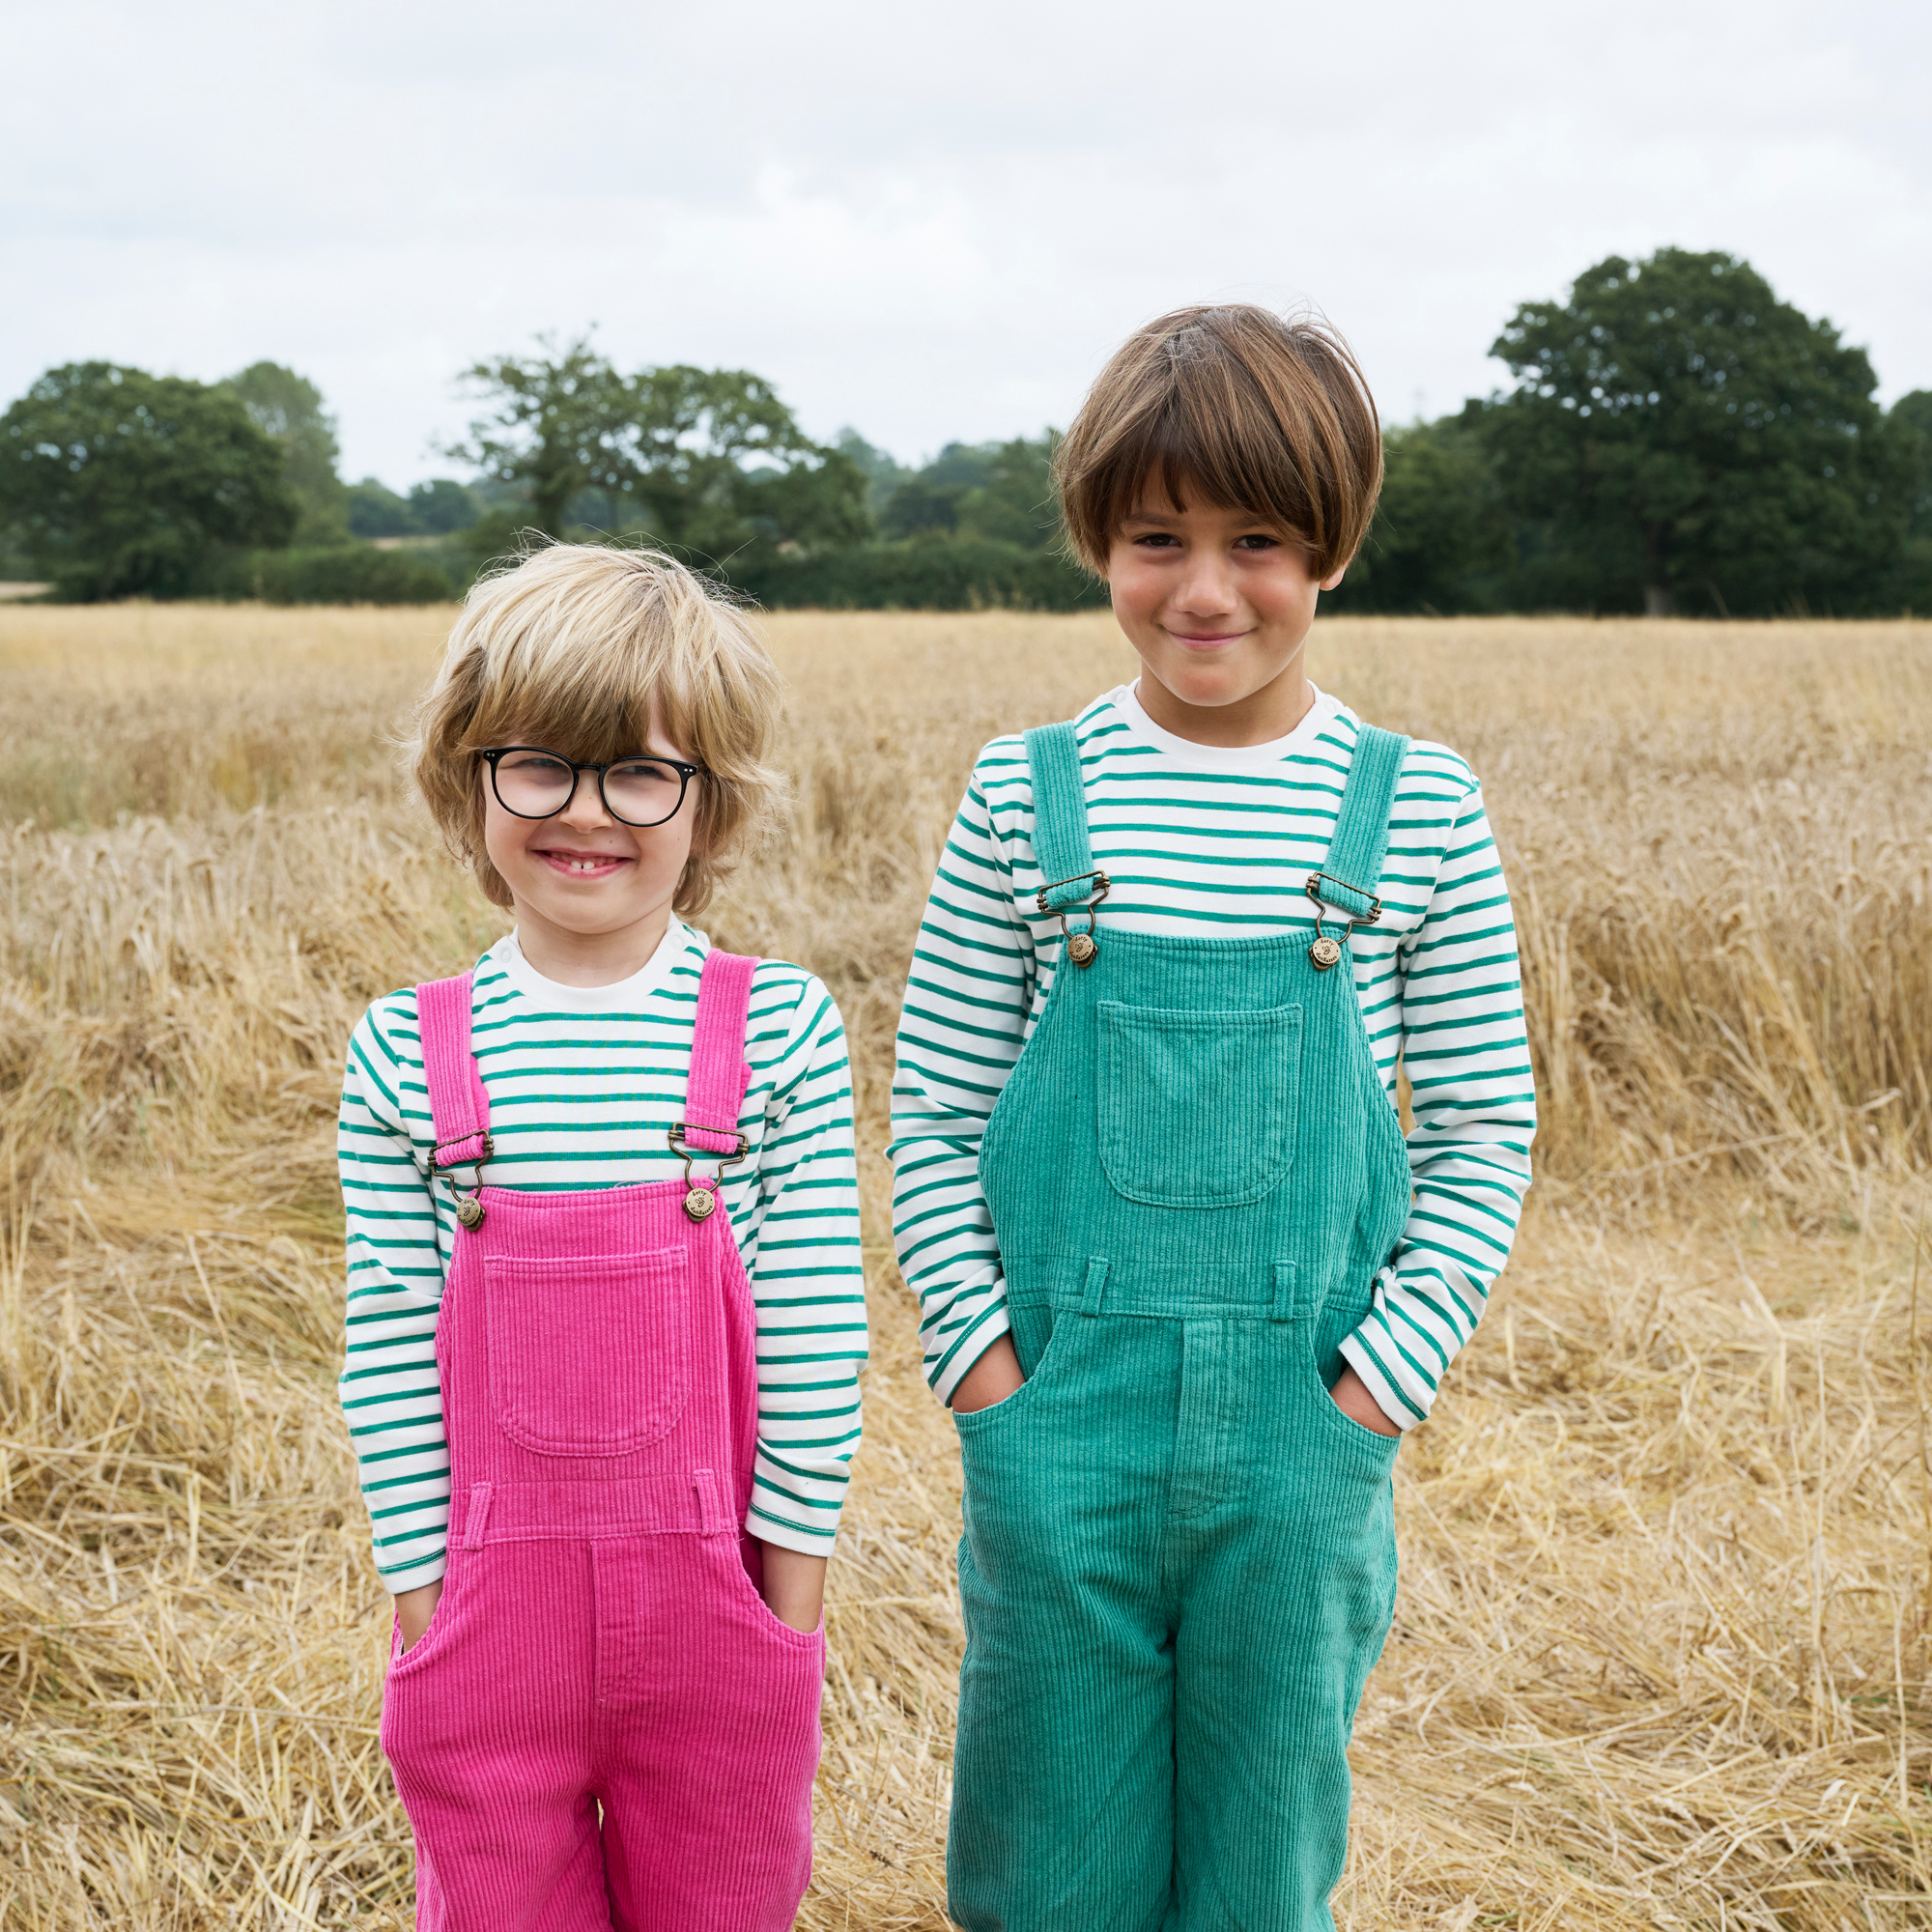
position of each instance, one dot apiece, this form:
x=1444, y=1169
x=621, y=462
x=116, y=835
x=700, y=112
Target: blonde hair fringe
x=582, y=649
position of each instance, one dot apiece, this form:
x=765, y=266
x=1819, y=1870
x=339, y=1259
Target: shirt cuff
x=992, y=1324
x=431, y=1570
x=1356, y=1353
x=790, y=1535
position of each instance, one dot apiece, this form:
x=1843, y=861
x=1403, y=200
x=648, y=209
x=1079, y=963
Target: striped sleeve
x=391, y=1396
x=968, y=995
x=808, y=1278
x=1466, y=1050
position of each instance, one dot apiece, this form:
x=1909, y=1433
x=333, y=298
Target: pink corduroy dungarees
x=602, y=1726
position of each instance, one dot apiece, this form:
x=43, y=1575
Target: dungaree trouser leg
x=602, y=1726
x=1178, y=1563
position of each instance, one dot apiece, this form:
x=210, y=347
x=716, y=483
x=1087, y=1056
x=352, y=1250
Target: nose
x=1206, y=586
x=586, y=805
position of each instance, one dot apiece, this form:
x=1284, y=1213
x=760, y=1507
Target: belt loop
x=479, y=1515
x=709, y=1514
x=1096, y=1285
x=1287, y=1305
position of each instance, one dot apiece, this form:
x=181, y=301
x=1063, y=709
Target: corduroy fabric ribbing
x=604, y=1723
x=1178, y=1563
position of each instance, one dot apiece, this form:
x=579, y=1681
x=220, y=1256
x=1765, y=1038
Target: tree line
x=1675, y=439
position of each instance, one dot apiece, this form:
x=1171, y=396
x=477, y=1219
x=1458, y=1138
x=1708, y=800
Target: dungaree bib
x=1178, y=1563
x=602, y=1726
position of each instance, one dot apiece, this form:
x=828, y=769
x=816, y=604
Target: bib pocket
x=1196, y=1109
x=589, y=1356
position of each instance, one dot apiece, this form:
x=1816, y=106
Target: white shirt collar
x=1125, y=700
x=621, y=996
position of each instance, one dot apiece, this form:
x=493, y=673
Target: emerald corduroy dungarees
x=1178, y=1563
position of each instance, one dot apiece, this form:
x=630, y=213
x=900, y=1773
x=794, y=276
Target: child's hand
x=794, y=1589
x=992, y=1378
x=1352, y=1398
x=414, y=1610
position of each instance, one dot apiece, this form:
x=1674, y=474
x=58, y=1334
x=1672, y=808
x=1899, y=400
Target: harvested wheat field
x=1661, y=1656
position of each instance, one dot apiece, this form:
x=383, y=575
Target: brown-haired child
x=1182, y=1280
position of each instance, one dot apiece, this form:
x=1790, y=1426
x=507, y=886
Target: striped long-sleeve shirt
x=1219, y=843
x=583, y=1085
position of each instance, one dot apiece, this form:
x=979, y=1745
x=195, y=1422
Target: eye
x=1157, y=540
x=1258, y=540
x=535, y=764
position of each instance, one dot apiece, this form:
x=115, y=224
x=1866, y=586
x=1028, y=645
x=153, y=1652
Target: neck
x=1258, y=719
x=589, y=958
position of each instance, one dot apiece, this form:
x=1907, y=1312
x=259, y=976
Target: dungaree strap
x=1354, y=868
x=1059, y=844
x=719, y=1074
x=458, y=1105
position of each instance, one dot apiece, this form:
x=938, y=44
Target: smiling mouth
x=583, y=865
x=1207, y=637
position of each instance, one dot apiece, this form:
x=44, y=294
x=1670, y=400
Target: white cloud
x=927, y=224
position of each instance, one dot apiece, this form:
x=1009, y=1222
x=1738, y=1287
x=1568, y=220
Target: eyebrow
x=1166, y=520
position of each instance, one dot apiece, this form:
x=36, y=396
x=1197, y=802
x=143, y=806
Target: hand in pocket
x=414, y=1610
x=991, y=1380
x=1351, y=1395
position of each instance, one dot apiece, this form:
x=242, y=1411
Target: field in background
x=1660, y=1656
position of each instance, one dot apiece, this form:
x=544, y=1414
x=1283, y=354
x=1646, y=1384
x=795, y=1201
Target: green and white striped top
x=582, y=1084
x=1219, y=843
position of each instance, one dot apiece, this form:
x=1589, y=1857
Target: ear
x=1331, y=583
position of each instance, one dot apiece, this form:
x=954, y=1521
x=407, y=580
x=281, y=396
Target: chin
x=1207, y=688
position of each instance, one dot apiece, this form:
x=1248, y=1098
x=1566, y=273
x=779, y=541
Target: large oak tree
x=121, y=484
x=1679, y=421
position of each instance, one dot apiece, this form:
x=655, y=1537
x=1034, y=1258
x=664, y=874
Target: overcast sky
x=928, y=222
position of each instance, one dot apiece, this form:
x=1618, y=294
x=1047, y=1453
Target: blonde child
x=1182, y=1283
x=605, y=1312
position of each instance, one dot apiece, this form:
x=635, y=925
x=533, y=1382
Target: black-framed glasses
x=531, y=782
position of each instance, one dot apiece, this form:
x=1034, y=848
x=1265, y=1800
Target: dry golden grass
x=1661, y=1656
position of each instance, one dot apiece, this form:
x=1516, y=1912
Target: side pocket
x=1373, y=1451
x=1050, y=1355
x=402, y=1663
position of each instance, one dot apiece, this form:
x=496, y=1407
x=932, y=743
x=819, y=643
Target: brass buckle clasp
x=1326, y=951
x=700, y=1201
x=1081, y=947
x=468, y=1207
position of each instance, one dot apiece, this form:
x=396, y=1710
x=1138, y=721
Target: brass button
x=469, y=1212
x=700, y=1202
x=1081, y=949
x=1324, y=953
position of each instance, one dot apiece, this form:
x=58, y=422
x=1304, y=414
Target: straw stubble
x=1660, y=1651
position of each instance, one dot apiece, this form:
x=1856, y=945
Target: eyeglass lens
x=641, y=792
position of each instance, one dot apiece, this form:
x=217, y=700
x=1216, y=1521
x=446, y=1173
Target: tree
x=1675, y=413
x=720, y=462
x=289, y=407
x=1908, y=585
x=375, y=510
x=916, y=506
x=1441, y=530
x=882, y=471
x=713, y=460
x=440, y=506
x=124, y=484
x=1016, y=501
x=1910, y=422
x=552, y=427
